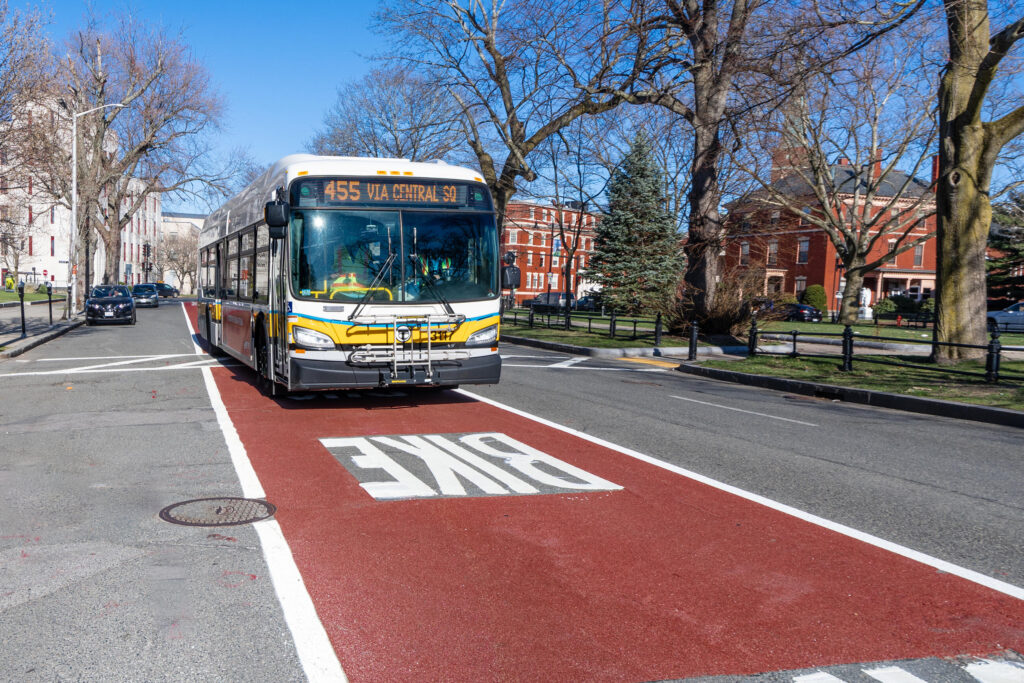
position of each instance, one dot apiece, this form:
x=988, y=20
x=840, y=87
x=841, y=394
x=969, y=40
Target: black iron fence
x=994, y=350
x=613, y=326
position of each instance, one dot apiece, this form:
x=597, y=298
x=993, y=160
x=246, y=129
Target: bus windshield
x=393, y=256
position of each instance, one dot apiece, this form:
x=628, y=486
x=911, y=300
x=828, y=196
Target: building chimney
x=785, y=161
x=843, y=161
x=935, y=172
x=876, y=169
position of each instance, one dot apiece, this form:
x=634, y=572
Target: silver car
x=146, y=295
x=1010, y=319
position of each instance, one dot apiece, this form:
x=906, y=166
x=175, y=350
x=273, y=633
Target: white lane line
x=748, y=412
x=205, y=362
x=57, y=360
x=561, y=366
x=988, y=671
x=313, y=647
x=892, y=674
x=568, y=363
x=192, y=332
x=943, y=565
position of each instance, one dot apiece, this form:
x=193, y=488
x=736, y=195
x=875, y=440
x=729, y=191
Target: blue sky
x=278, y=65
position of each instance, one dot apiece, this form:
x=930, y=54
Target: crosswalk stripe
x=892, y=674
x=817, y=677
x=996, y=672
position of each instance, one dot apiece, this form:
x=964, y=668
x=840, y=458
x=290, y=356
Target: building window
x=30, y=215
x=773, y=253
x=919, y=255
x=3, y=183
x=52, y=240
x=801, y=285
x=30, y=245
x=529, y=258
x=892, y=246
x=775, y=217
x=744, y=253
x=30, y=184
x=512, y=236
x=803, y=247
x=51, y=215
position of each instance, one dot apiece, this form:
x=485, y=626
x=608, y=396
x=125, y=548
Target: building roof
x=847, y=181
x=178, y=214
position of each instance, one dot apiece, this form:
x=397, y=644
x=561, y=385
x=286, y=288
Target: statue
x=865, y=297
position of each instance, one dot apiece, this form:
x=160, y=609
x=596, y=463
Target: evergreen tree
x=637, y=253
x=1006, y=271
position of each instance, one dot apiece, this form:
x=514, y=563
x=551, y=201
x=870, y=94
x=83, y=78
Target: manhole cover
x=217, y=511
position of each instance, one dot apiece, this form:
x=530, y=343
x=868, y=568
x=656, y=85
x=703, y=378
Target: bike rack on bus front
x=401, y=333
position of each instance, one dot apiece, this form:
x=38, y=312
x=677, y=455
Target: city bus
x=354, y=273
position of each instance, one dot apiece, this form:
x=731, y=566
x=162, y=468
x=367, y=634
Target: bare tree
x=151, y=132
x=391, y=113
x=695, y=54
x=969, y=149
x=512, y=67
x=179, y=255
x=24, y=58
x=849, y=148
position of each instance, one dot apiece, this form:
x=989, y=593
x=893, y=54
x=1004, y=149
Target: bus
x=354, y=273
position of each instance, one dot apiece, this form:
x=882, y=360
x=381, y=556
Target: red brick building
x=532, y=232
x=794, y=253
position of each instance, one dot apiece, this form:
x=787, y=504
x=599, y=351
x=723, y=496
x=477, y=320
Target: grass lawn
x=580, y=337
x=890, y=378
x=29, y=296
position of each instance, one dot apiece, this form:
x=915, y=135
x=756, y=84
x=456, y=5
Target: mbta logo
x=457, y=465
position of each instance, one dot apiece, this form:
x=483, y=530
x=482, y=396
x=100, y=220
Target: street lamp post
x=72, y=275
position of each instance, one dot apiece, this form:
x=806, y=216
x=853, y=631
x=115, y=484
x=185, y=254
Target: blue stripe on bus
x=355, y=324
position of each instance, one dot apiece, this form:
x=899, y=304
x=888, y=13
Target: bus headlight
x=485, y=337
x=311, y=339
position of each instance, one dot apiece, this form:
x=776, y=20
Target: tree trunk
x=850, y=304
x=962, y=204
x=704, y=236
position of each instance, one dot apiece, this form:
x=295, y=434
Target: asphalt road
x=104, y=427
x=949, y=488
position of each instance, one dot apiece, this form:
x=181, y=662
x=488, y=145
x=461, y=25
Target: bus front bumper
x=316, y=375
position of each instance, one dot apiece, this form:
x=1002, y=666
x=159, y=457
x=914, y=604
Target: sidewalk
x=37, y=326
x=912, y=404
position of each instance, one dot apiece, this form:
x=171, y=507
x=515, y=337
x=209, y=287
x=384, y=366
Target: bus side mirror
x=277, y=214
x=511, y=277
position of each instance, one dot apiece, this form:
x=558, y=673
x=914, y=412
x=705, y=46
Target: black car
x=588, y=303
x=165, y=289
x=146, y=295
x=549, y=302
x=803, y=313
x=110, y=304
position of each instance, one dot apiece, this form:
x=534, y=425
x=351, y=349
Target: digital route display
x=326, y=192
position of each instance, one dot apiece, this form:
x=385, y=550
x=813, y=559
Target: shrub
x=928, y=306
x=903, y=304
x=884, y=306
x=815, y=296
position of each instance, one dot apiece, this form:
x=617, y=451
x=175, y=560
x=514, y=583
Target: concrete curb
x=12, y=304
x=913, y=404
x=20, y=346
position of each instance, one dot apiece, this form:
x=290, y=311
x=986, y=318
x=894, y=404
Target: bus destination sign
x=387, y=191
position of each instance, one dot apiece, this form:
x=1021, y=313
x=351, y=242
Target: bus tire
x=267, y=386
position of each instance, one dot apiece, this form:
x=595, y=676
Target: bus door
x=279, y=305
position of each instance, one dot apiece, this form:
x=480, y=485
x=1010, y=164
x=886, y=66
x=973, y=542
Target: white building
x=176, y=224
x=35, y=230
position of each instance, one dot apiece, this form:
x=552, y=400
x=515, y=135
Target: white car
x=1010, y=319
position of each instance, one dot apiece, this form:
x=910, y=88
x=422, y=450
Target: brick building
x=532, y=232
x=794, y=253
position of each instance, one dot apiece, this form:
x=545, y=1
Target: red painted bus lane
x=665, y=577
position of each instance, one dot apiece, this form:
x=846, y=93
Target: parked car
x=1010, y=319
x=110, y=304
x=165, y=289
x=146, y=295
x=588, y=303
x=803, y=313
x=549, y=302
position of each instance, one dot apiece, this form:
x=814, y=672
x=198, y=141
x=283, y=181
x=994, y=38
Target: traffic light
x=145, y=251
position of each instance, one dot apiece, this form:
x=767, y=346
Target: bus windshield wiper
x=376, y=280
x=433, y=288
